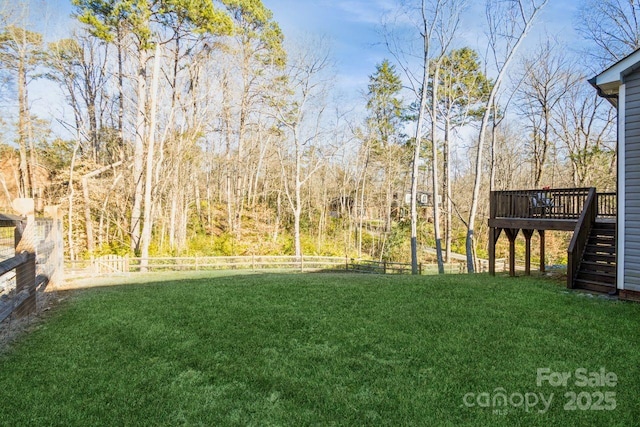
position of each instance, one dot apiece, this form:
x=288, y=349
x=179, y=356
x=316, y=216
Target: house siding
x=632, y=182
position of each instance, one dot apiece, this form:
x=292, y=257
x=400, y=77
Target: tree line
x=197, y=127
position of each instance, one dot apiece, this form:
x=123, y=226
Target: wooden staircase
x=597, y=269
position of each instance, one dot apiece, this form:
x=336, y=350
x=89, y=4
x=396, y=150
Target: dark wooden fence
x=380, y=267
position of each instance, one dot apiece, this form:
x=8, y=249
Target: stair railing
x=581, y=236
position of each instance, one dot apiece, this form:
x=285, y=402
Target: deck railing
x=607, y=205
x=554, y=203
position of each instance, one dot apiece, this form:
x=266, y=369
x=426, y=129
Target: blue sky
x=353, y=29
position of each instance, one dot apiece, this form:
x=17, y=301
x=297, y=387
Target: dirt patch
x=13, y=328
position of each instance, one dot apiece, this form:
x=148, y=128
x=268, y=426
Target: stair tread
x=598, y=265
x=581, y=283
x=606, y=254
x=595, y=282
x=599, y=248
x=597, y=277
x=604, y=264
x=605, y=224
x=591, y=273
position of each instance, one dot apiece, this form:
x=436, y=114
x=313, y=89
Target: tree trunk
x=447, y=189
x=148, y=186
x=475, y=198
x=297, y=211
x=416, y=158
x=87, y=215
x=23, y=117
x=434, y=165
x=492, y=150
x=138, y=154
x=120, y=88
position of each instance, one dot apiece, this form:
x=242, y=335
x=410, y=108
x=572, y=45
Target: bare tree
x=463, y=89
x=21, y=52
x=300, y=114
x=612, y=25
x=546, y=79
x=585, y=123
x=436, y=22
x=509, y=23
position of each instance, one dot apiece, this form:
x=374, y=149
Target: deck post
x=512, y=233
x=492, y=251
x=494, y=234
x=527, y=251
x=542, y=255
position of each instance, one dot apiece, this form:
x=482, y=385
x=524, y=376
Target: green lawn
x=325, y=349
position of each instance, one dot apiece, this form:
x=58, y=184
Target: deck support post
x=542, y=255
x=527, y=251
x=512, y=233
x=494, y=233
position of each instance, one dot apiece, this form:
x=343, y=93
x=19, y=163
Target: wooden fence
x=19, y=269
x=380, y=267
x=110, y=264
x=113, y=264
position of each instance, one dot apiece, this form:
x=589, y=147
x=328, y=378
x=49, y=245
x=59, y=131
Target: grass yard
x=327, y=349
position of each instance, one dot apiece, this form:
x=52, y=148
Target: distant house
x=620, y=84
x=339, y=206
x=423, y=199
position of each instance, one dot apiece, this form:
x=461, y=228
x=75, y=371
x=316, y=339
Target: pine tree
x=384, y=121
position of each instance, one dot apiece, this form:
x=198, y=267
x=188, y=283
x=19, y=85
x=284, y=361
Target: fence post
x=420, y=269
x=384, y=267
x=56, y=257
x=24, y=242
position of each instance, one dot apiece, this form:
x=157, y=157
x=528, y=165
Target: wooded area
x=197, y=128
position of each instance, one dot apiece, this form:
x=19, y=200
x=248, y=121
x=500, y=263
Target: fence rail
x=115, y=264
x=380, y=267
x=22, y=298
x=31, y=257
x=112, y=264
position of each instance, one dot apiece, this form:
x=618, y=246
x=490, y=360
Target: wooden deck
x=562, y=209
